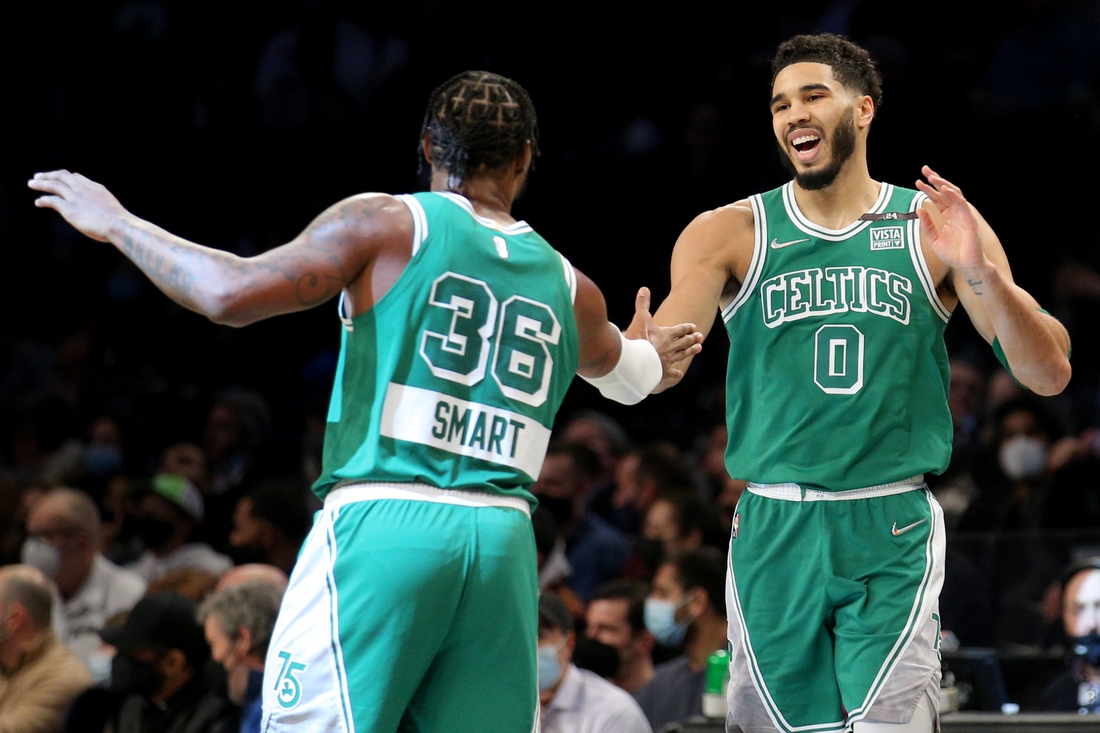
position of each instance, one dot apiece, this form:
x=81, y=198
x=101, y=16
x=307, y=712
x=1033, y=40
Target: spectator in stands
x=39, y=676
x=652, y=471
x=1078, y=688
x=168, y=517
x=270, y=523
x=187, y=460
x=576, y=700
x=685, y=606
x=554, y=567
x=191, y=583
x=253, y=573
x=595, y=549
x=616, y=617
x=683, y=522
x=609, y=442
x=64, y=537
x=238, y=622
x=159, y=670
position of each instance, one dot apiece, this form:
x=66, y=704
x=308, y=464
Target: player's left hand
x=674, y=344
x=957, y=242
x=85, y=204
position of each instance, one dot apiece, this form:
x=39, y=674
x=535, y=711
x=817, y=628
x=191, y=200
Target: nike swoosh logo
x=776, y=244
x=898, y=532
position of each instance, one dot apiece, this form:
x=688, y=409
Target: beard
x=843, y=141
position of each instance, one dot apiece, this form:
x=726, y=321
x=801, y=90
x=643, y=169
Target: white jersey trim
x=420, y=220
x=916, y=251
x=795, y=492
x=356, y=491
x=570, y=278
x=756, y=265
x=520, y=227
x=796, y=216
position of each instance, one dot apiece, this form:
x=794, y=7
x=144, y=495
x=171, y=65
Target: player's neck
x=842, y=202
x=491, y=195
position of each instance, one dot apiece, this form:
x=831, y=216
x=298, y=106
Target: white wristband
x=638, y=373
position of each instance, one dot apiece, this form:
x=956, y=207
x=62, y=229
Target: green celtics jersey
x=838, y=372
x=453, y=378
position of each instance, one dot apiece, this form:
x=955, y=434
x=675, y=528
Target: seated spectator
x=188, y=582
x=553, y=566
x=1078, y=688
x=39, y=676
x=616, y=617
x=643, y=475
x=238, y=622
x=575, y=700
x=168, y=518
x=159, y=671
x=595, y=549
x=270, y=523
x=683, y=522
x=253, y=573
x=686, y=606
x=64, y=537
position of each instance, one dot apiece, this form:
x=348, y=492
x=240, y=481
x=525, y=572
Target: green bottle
x=718, y=676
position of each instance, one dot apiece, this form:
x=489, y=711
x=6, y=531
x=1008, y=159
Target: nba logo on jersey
x=736, y=523
x=887, y=238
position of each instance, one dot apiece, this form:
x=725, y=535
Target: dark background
x=234, y=124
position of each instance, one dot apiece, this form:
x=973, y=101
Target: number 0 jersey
x=454, y=377
x=838, y=372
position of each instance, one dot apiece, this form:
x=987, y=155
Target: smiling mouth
x=805, y=145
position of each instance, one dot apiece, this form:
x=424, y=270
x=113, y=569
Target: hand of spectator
x=1069, y=449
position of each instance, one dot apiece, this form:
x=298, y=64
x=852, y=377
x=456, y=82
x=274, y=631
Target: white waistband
x=794, y=492
x=369, y=490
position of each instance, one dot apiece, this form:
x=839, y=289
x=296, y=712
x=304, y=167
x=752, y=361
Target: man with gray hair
x=64, y=541
x=39, y=677
x=237, y=622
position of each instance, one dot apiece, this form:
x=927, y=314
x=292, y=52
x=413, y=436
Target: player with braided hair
x=413, y=604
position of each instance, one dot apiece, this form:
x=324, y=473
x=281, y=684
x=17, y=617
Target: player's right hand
x=85, y=204
x=674, y=344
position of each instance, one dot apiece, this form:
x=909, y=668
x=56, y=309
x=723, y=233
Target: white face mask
x=549, y=666
x=42, y=555
x=99, y=664
x=1023, y=457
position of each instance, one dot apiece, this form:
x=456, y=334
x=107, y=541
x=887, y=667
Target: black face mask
x=596, y=656
x=248, y=554
x=1086, y=648
x=130, y=676
x=155, y=533
x=562, y=509
x=652, y=553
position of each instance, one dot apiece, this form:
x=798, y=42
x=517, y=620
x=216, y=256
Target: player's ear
x=523, y=160
x=426, y=149
x=864, y=110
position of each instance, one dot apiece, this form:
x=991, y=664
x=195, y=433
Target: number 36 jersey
x=454, y=377
x=838, y=373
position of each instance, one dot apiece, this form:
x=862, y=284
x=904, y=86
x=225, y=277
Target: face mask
x=651, y=552
x=99, y=664
x=42, y=555
x=1023, y=457
x=561, y=509
x=1086, y=648
x=660, y=619
x=130, y=676
x=155, y=533
x=549, y=666
x=248, y=554
x=101, y=460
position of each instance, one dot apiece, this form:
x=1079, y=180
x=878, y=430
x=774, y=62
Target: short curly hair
x=851, y=64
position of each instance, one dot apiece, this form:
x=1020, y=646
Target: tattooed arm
x=1035, y=344
x=335, y=249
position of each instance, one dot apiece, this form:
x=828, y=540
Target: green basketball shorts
x=833, y=606
x=411, y=608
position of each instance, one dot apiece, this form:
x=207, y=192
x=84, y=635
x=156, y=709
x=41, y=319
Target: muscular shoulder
x=372, y=212
x=723, y=237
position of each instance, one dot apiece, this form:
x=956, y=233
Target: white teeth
x=804, y=139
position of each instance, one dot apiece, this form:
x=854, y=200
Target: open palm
x=957, y=241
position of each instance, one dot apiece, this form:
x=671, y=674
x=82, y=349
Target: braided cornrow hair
x=477, y=118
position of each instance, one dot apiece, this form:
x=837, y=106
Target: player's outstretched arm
x=626, y=367
x=332, y=251
x=1035, y=344
x=704, y=263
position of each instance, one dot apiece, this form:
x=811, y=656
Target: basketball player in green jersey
x=413, y=605
x=835, y=290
